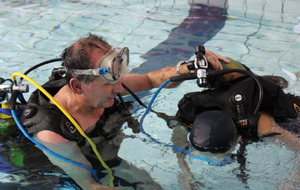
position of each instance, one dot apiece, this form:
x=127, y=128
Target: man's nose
x=118, y=88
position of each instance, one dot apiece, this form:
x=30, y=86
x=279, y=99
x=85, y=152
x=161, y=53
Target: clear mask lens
x=119, y=60
x=112, y=67
x=116, y=63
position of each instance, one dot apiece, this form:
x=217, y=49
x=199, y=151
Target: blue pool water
x=263, y=34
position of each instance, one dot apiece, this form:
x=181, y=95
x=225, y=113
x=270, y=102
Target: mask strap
x=96, y=72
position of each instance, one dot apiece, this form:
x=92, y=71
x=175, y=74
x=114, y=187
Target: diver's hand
x=214, y=59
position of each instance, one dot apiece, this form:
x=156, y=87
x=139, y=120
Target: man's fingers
x=214, y=59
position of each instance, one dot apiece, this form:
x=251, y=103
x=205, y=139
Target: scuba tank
x=8, y=126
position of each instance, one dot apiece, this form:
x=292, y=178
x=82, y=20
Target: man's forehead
x=97, y=55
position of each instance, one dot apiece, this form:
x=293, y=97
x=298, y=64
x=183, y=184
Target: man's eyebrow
x=93, y=44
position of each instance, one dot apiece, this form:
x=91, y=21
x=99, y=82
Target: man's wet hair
x=77, y=56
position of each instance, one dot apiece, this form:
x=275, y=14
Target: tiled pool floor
x=264, y=35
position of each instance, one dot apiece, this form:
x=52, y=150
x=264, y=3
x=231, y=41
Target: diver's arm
x=267, y=125
x=70, y=150
x=147, y=81
x=141, y=82
x=290, y=140
x=186, y=177
x=179, y=138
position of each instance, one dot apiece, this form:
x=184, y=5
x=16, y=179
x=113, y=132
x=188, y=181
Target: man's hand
x=214, y=59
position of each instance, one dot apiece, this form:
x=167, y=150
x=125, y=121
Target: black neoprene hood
x=213, y=131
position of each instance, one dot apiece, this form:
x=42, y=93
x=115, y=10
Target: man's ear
x=76, y=86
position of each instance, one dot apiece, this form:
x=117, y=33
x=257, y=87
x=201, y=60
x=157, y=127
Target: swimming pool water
x=262, y=34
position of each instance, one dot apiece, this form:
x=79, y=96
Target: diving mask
x=112, y=67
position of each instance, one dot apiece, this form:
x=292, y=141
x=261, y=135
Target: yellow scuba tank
x=8, y=126
x=233, y=65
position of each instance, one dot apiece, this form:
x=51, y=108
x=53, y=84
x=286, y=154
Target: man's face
x=100, y=93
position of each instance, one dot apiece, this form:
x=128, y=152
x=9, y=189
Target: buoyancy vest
x=40, y=115
x=223, y=88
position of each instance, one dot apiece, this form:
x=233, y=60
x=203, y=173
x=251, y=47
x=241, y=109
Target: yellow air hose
x=110, y=173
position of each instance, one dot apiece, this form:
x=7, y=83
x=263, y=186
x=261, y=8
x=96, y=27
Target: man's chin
x=109, y=103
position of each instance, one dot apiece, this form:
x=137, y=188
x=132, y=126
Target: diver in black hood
x=233, y=106
x=236, y=108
